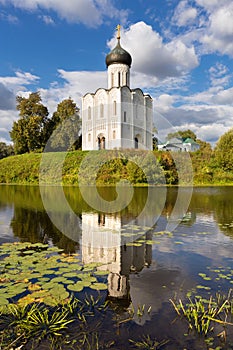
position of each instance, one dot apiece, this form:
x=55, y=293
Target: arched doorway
x=137, y=141
x=101, y=142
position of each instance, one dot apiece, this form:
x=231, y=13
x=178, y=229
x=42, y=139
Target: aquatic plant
x=201, y=314
x=147, y=343
x=39, y=273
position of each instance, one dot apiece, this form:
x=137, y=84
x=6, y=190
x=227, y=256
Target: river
x=163, y=243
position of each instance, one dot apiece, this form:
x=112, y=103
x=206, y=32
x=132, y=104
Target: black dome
x=118, y=55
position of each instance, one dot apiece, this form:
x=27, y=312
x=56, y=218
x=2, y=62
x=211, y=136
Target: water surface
x=162, y=265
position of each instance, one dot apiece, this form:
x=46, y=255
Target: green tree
x=5, y=150
x=223, y=151
x=184, y=134
x=31, y=131
x=67, y=122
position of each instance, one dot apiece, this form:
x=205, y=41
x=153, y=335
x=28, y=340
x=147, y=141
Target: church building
x=118, y=117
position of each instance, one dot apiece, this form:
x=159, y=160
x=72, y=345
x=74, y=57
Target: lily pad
x=99, y=286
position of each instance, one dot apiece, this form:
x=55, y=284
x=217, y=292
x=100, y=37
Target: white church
x=118, y=117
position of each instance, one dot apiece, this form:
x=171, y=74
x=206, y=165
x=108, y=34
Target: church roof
x=118, y=55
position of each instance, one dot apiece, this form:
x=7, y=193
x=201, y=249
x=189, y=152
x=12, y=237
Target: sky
x=182, y=54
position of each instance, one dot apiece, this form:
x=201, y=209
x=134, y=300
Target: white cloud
x=9, y=18
x=20, y=79
x=184, y=14
x=7, y=117
x=219, y=75
x=7, y=98
x=218, y=26
x=154, y=58
x=88, y=12
x=76, y=84
x=47, y=19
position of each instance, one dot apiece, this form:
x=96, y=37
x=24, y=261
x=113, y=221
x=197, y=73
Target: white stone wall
x=118, y=75
x=119, y=115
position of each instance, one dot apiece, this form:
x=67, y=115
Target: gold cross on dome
x=118, y=31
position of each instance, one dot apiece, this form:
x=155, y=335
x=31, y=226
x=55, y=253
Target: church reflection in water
x=106, y=240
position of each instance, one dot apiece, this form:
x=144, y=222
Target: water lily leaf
x=101, y=273
x=3, y=301
x=99, y=286
x=55, y=249
x=49, y=285
x=33, y=287
x=70, y=274
x=58, y=279
x=75, y=287
x=133, y=244
x=29, y=252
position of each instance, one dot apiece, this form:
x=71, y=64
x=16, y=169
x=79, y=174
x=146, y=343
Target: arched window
x=114, y=134
x=89, y=137
x=119, y=78
x=136, y=142
x=101, y=110
x=114, y=108
x=89, y=112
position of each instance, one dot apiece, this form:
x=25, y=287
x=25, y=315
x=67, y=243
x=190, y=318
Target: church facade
x=118, y=117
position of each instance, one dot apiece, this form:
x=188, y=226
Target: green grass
x=25, y=168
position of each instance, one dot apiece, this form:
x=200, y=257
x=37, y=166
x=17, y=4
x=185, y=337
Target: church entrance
x=101, y=142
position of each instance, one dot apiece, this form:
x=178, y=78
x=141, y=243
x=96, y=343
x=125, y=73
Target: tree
x=32, y=130
x=184, y=134
x=5, y=150
x=223, y=151
x=66, y=120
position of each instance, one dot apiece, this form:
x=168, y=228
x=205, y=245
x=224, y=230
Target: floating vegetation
x=163, y=233
x=39, y=273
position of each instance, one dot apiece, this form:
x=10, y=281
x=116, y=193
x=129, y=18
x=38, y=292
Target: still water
x=157, y=247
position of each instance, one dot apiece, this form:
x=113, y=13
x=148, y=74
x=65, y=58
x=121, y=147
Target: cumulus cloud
x=7, y=117
x=208, y=122
x=7, y=98
x=153, y=57
x=88, y=12
x=19, y=80
x=218, y=26
x=75, y=85
x=184, y=14
x=219, y=75
x=47, y=19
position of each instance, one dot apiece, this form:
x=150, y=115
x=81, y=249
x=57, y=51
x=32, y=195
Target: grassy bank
x=109, y=169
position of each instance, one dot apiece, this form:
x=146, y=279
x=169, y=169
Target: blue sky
x=182, y=55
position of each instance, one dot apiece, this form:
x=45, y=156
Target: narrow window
x=114, y=108
x=115, y=255
x=89, y=112
x=112, y=78
x=89, y=137
x=119, y=78
x=101, y=252
x=101, y=110
x=124, y=117
x=101, y=219
x=114, y=134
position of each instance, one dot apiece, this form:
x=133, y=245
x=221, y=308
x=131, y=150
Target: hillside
x=24, y=169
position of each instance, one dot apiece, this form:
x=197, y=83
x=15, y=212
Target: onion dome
x=118, y=55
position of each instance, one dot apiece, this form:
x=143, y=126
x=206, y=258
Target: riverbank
x=25, y=169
